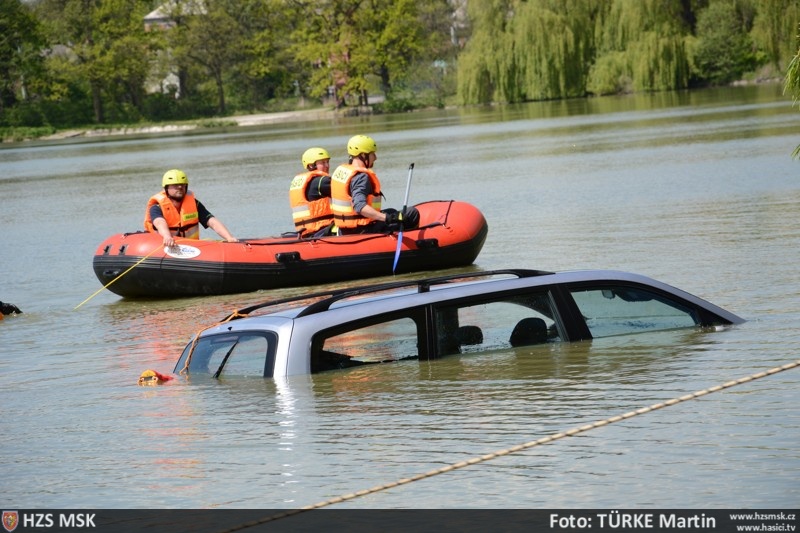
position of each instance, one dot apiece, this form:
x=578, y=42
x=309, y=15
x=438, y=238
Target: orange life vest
x=183, y=223
x=342, y=203
x=308, y=216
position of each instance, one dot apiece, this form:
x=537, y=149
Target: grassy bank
x=22, y=134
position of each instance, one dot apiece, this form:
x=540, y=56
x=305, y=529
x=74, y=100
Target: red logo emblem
x=10, y=520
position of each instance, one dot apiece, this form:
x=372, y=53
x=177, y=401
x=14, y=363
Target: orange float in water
x=153, y=377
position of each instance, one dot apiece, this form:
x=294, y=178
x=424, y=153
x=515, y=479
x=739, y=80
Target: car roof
x=371, y=299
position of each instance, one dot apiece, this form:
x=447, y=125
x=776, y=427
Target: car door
x=496, y=320
x=372, y=339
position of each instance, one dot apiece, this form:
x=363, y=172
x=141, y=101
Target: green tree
x=398, y=41
x=105, y=47
x=123, y=56
x=20, y=59
x=266, y=70
x=208, y=36
x=430, y=77
x=724, y=50
x=347, y=43
x=331, y=41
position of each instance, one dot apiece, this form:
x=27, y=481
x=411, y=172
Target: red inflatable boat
x=450, y=234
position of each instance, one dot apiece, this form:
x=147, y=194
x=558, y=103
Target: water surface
x=696, y=189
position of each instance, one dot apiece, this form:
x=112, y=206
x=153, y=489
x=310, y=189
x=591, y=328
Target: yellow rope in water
x=115, y=279
x=513, y=449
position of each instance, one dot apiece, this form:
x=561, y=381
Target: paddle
x=159, y=247
x=400, y=233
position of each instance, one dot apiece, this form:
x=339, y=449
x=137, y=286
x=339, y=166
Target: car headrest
x=531, y=330
x=469, y=335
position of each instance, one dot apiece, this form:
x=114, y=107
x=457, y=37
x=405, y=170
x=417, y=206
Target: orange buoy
x=152, y=377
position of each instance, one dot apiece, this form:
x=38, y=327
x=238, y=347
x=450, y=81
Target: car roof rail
x=329, y=297
x=423, y=285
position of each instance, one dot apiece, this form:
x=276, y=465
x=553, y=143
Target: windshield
x=620, y=310
x=242, y=353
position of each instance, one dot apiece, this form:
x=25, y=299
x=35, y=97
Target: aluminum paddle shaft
x=400, y=233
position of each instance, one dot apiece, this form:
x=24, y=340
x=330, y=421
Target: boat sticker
x=182, y=251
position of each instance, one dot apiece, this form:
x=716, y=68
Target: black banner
x=406, y=521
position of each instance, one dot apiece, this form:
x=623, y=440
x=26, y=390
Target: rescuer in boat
x=174, y=212
x=356, y=194
x=310, y=195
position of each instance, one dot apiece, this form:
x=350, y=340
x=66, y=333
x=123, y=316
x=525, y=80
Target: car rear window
x=248, y=353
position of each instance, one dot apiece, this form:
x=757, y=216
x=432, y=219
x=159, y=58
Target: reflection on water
x=696, y=189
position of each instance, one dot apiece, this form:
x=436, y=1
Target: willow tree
x=642, y=45
x=535, y=50
x=792, y=85
x=774, y=29
x=482, y=64
x=553, y=46
x=542, y=49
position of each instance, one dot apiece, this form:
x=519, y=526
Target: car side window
x=619, y=310
x=235, y=354
x=390, y=340
x=502, y=322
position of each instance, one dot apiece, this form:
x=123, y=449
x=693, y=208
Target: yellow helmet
x=361, y=144
x=174, y=177
x=312, y=155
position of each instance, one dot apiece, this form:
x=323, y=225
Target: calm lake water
x=697, y=189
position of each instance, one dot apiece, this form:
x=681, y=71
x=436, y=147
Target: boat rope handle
x=500, y=453
x=196, y=338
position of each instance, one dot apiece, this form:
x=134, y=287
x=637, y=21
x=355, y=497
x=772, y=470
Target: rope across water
x=520, y=447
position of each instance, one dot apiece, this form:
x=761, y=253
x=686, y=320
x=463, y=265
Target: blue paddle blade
x=397, y=252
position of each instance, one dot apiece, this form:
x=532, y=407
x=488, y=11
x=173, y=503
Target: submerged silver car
x=437, y=317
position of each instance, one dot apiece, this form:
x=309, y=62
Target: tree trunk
x=183, y=83
x=386, y=84
x=220, y=93
x=97, y=103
